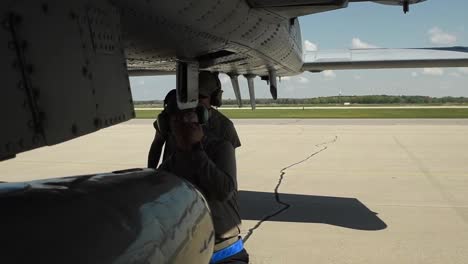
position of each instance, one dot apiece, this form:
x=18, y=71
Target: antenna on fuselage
x=271, y=80
x=406, y=5
x=273, y=84
x=250, y=84
x=235, y=87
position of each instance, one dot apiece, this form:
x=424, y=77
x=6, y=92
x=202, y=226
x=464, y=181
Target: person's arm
x=216, y=178
x=155, y=150
x=231, y=135
x=229, y=131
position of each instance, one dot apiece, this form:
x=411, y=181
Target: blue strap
x=227, y=252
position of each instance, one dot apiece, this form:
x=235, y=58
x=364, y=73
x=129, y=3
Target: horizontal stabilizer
x=381, y=58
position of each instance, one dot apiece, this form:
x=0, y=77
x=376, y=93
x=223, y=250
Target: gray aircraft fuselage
x=226, y=36
x=254, y=37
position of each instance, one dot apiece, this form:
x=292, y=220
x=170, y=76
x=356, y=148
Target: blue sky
x=433, y=23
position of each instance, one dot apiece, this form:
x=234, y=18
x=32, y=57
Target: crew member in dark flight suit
x=210, y=94
x=210, y=164
x=161, y=137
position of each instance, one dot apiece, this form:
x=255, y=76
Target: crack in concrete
x=284, y=205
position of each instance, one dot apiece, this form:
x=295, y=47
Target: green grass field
x=333, y=113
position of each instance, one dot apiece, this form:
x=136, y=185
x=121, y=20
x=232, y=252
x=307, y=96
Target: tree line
x=337, y=100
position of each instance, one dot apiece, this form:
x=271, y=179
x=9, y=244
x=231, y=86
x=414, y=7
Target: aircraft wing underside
x=297, y=8
x=381, y=58
x=375, y=58
x=66, y=63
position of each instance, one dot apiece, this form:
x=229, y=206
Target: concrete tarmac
x=348, y=191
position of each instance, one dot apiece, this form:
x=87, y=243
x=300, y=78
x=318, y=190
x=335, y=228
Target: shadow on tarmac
x=337, y=211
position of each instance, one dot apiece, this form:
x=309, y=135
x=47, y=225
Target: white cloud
x=356, y=43
x=309, y=46
x=289, y=89
x=295, y=79
x=438, y=36
x=302, y=79
x=329, y=74
x=414, y=74
x=433, y=71
x=455, y=74
x=463, y=70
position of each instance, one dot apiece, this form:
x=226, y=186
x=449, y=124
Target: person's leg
x=239, y=258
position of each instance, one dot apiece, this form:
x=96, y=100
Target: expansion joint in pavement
x=283, y=205
x=447, y=196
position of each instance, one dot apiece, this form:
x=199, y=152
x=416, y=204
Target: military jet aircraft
x=65, y=73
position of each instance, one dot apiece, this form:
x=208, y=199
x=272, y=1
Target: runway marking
x=284, y=205
x=294, y=121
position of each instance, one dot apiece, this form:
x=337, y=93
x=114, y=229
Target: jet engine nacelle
x=133, y=216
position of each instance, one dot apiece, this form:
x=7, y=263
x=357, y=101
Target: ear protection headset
x=216, y=98
x=162, y=121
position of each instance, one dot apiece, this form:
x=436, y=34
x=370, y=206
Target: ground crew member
x=161, y=137
x=210, y=164
x=210, y=94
